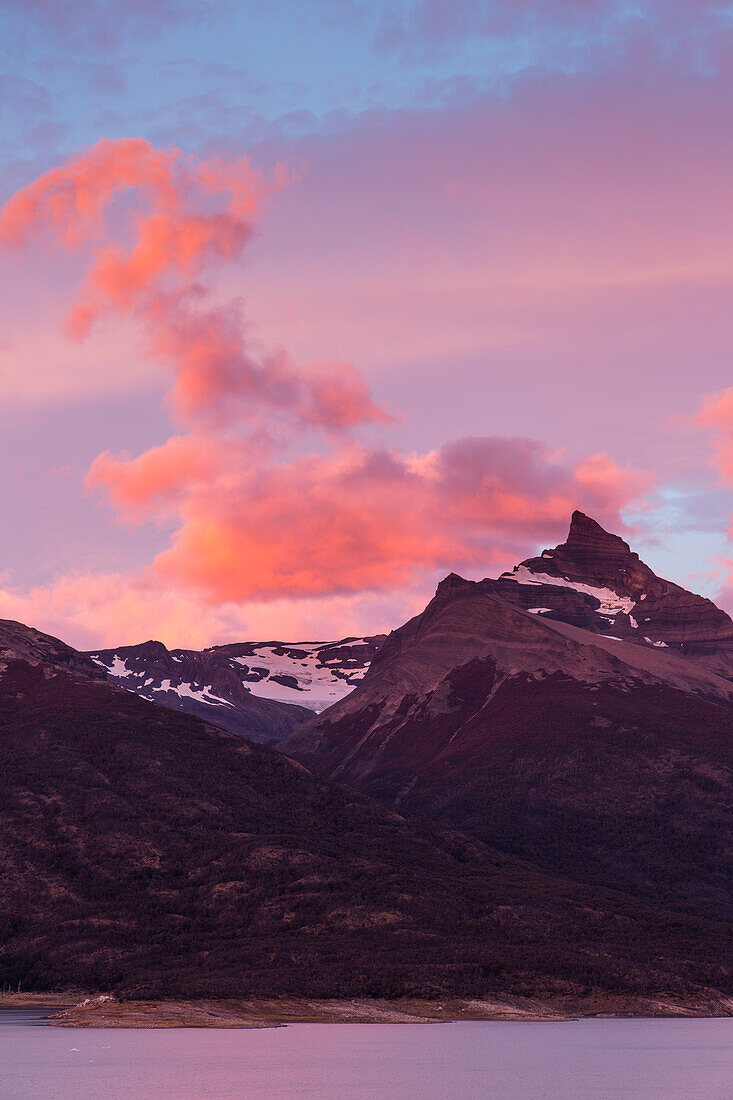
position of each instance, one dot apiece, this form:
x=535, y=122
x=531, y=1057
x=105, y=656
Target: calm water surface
x=583, y=1060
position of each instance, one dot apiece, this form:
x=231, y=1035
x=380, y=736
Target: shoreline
x=104, y=1011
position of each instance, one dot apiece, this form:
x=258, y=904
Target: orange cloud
x=717, y=413
x=109, y=609
x=153, y=221
x=161, y=477
x=355, y=520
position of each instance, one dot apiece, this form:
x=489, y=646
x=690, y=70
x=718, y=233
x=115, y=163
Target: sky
x=305, y=306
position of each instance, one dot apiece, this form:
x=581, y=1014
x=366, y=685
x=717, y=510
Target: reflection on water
x=26, y=1015
x=577, y=1060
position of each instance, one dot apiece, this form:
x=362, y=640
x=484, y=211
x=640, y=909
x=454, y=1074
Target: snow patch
x=611, y=602
x=318, y=684
x=201, y=695
x=315, y=678
x=117, y=668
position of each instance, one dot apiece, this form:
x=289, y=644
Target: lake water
x=577, y=1060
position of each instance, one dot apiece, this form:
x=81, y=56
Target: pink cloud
x=96, y=610
x=356, y=520
x=717, y=414
x=187, y=215
x=158, y=479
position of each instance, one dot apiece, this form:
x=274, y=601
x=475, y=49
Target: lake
x=574, y=1060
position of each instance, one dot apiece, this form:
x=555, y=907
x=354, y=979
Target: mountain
x=594, y=581
x=147, y=852
x=262, y=690
x=574, y=713
x=20, y=643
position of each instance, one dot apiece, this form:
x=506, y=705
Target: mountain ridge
x=261, y=690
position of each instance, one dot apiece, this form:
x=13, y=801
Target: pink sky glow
x=294, y=378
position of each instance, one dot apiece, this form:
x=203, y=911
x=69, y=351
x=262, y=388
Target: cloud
x=24, y=101
x=104, y=24
x=322, y=547
x=569, y=34
x=153, y=223
x=97, y=610
x=355, y=520
x=105, y=79
x=158, y=480
x=93, y=609
x=717, y=414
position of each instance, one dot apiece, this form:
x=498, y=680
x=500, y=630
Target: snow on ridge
x=318, y=683
x=314, y=679
x=204, y=694
x=317, y=686
x=612, y=604
x=117, y=668
x=308, y=647
x=201, y=695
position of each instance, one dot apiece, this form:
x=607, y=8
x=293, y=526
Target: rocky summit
x=595, y=581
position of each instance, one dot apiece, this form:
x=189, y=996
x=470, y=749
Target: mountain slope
x=604, y=759
x=262, y=690
x=144, y=851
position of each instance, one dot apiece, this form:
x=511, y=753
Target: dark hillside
x=145, y=852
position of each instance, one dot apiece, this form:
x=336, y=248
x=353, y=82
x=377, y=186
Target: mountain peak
x=584, y=530
x=593, y=556
x=596, y=582
x=450, y=583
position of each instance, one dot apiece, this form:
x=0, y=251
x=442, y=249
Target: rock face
x=261, y=690
x=24, y=643
x=145, y=852
x=607, y=759
x=595, y=581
